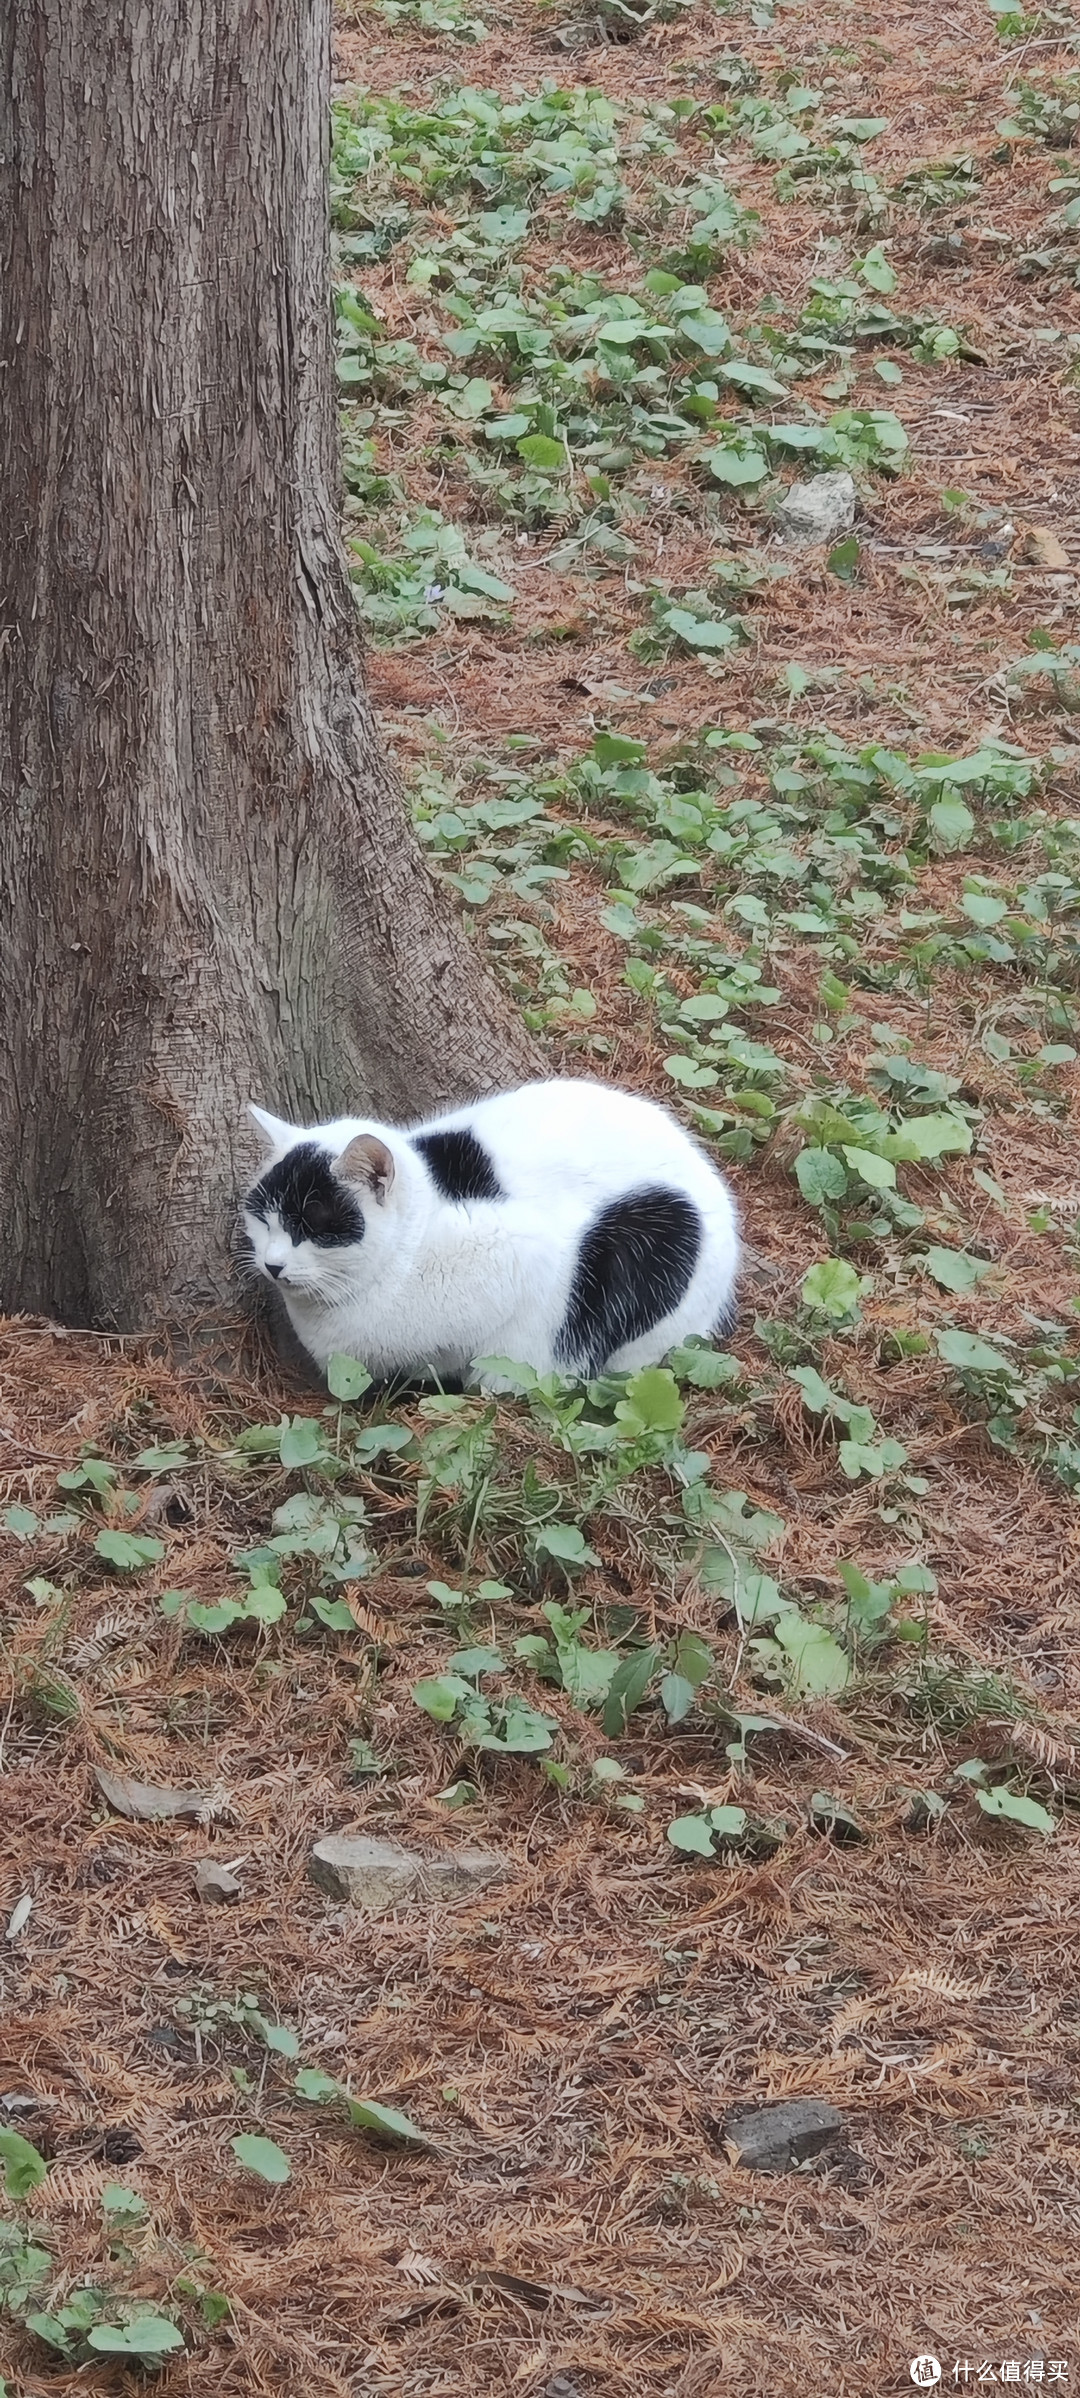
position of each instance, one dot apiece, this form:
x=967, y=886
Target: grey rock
x=216, y=1884
x=818, y=511
x=377, y=1874
x=360, y=1872
x=772, y=2139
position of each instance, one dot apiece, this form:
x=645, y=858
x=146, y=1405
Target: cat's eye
x=316, y=1217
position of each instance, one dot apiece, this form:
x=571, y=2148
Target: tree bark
x=210, y=889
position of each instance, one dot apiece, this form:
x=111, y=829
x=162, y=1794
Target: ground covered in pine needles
x=756, y=1681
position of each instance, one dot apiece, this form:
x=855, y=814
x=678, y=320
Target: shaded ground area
x=810, y=874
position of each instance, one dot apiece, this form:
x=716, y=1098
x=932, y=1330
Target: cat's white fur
x=436, y=1284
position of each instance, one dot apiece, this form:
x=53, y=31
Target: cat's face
x=305, y=1217
x=304, y=1223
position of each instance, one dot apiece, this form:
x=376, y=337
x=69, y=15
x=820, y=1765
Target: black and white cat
x=566, y=1225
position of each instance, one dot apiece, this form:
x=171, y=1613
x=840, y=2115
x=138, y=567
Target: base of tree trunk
x=210, y=888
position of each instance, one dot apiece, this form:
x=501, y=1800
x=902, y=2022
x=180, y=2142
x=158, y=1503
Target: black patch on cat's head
x=459, y=1165
x=309, y=1200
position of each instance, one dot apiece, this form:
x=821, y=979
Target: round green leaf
x=544, y=453
x=22, y=1522
x=820, y=1175
x=706, y=1007
x=705, y=1369
x=301, y=1442
x=982, y=909
x=566, y=1542
x=969, y=1354
x=693, y=1834
x=477, y=1661
x=676, y=1697
x=347, y=1378
x=737, y=466
x=936, y=1136
x=844, y=559
x=876, y=271
x=754, y=379
x=879, y=1172
x=617, y=749
x=441, y=1696
x=952, y=1269
x=23, y=2168
x=951, y=823
x=692, y=1078
x=833, y=1288
x=652, y=1402
x=385, y=2122
x=128, y=1550
x=817, y=1661
x=622, y=331
x=794, y=437
x=699, y=632
x=148, y=2335
x=728, y=1823
x=263, y=2157
x=281, y=2039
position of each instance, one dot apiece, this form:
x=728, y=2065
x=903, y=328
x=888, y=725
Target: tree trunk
x=210, y=890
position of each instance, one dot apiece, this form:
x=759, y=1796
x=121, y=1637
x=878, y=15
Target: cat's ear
x=279, y=1135
x=368, y=1161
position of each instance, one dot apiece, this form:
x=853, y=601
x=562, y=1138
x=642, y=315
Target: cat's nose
x=275, y=1270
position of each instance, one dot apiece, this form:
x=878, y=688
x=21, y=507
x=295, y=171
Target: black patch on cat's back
x=636, y=1262
x=312, y=1202
x=459, y=1165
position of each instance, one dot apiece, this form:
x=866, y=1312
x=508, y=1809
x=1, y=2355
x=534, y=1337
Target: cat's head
x=315, y=1202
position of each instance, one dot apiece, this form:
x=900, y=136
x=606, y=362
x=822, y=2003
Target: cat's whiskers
x=247, y=1271
x=333, y=1286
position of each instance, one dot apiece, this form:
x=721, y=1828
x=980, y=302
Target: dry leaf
x=729, y=2263
x=431, y=2303
x=419, y=2268
x=593, y=690
x=540, y=2294
x=1043, y=549
x=377, y=1628
x=143, y=1802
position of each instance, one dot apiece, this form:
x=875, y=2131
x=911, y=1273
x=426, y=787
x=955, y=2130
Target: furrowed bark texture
x=209, y=889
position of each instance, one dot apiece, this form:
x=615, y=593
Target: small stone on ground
x=818, y=511
x=216, y=1883
x=376, y=1874
x=772, y=2139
